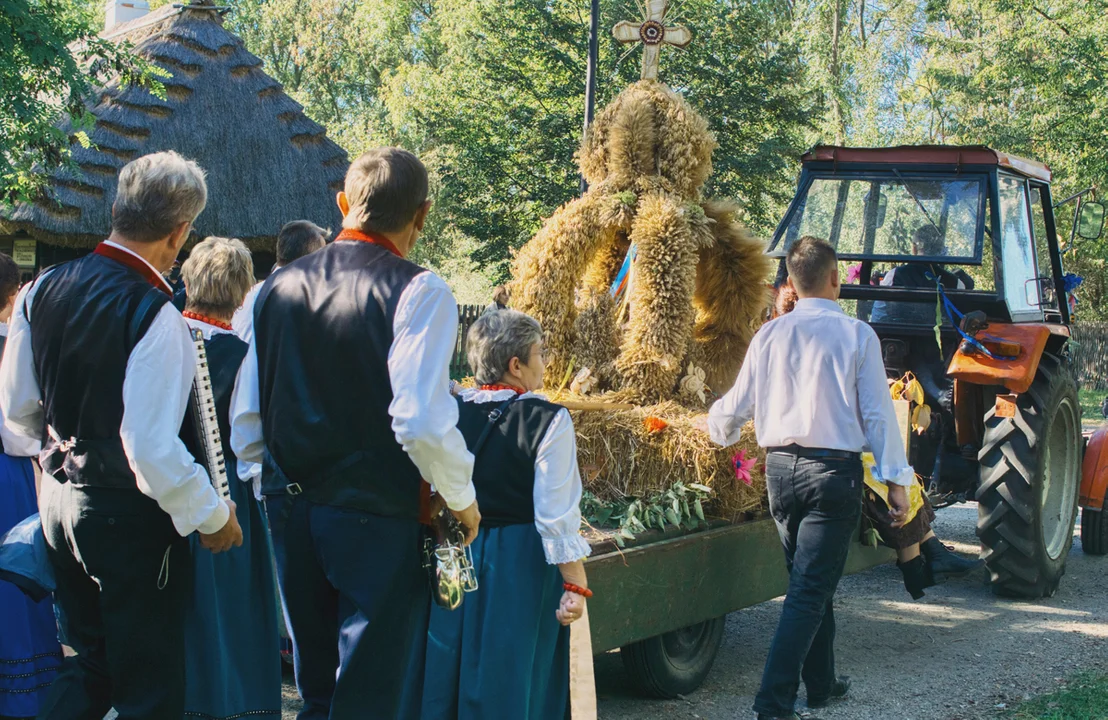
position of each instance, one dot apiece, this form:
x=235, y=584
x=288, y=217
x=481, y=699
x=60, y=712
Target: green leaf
x=672, y=517
x=700, y=488
x=699, y=509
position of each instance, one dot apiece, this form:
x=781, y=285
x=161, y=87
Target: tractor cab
x=952, y=255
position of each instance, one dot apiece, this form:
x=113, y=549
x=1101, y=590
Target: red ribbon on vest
x=501, y=386
x=136, y=263
x=371, y=238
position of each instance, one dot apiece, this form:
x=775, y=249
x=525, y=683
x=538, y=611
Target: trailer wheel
x=1030, y=472
x=674, y=663
x=1094, y=532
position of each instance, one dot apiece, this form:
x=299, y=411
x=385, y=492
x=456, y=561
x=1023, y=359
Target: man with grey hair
x=343, y=399
x=295, y=240
x=96, y=382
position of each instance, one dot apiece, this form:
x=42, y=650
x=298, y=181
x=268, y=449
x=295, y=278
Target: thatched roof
x=267, y=163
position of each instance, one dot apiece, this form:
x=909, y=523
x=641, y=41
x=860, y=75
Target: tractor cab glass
x=981, y=233
x=876, y=218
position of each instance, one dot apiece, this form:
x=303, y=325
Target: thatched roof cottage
x=267, y=163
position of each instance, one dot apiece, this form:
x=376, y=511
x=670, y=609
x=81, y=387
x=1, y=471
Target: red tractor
x=952, y=255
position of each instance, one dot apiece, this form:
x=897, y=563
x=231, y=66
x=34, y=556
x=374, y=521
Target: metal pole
x=590, y=76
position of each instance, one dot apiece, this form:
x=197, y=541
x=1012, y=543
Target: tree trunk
x=837, y=112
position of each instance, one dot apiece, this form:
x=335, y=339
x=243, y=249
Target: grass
x=1084, y=698
x=1090, y=406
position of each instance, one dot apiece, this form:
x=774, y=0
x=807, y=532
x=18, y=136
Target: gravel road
x=959, y=654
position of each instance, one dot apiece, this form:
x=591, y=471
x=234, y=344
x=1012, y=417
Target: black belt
x=815, y=453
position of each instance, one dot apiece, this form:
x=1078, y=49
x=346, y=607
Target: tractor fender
x=1016, y=375
x=1094, y=471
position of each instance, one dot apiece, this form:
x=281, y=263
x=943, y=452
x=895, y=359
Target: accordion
x=207, y=445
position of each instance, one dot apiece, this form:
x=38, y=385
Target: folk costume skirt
x=233, y=659
x=503, y=653
x=29, y=649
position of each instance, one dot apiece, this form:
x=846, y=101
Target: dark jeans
x=356, y=604
x=816, y=505
x=124, y=602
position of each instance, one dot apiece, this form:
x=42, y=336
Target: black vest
x=504, y=470
x=83, y=328
x=225, y=353
x=915, y=275
x=323, y=327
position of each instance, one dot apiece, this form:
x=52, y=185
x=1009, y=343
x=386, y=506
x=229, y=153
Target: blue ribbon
x=621, y=276
x=951, y=311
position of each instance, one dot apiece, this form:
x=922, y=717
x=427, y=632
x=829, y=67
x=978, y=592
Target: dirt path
x=956, y=655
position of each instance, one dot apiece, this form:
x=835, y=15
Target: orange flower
x=654, y=424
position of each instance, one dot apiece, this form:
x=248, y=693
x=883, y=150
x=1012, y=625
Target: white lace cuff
x=565, y=549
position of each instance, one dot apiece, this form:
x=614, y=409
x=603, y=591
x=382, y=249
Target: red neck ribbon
x=501, y=386
x=135, y=263
x=370, y=237
x=205, y=319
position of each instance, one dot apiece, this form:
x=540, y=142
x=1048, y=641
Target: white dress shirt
x=243, y=319
x=557, y=493
x=156, y=384
x=815, y=378
x=424, y=414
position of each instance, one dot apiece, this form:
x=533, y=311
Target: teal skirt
x=233, y=658
x=503, y=653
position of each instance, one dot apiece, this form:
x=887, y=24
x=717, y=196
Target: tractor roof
x=929, y=155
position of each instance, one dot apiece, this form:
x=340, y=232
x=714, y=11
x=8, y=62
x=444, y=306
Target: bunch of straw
x=641, y=451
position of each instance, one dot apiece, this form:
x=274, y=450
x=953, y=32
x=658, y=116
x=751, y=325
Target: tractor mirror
x=1090, y=223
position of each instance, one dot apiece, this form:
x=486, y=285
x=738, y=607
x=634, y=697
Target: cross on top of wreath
x=652, y=33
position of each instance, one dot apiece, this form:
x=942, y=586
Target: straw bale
x=656, y=337
x=731, y=295
x=619, y=457
x=546, y=271
x=597, y=338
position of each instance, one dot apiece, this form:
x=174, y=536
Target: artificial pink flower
x=743, y=467
x=853, y=273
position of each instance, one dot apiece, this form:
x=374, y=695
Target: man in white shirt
x=100, y=359
x=295, y=240
x=343, y=397
x=814, y=383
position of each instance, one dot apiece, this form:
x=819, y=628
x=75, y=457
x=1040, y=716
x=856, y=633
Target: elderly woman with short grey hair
x=233, y=666
x=505, y=652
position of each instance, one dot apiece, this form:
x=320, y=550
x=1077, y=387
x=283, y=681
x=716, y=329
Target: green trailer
x=668, y=639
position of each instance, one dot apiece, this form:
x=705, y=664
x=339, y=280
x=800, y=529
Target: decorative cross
x=652, y=33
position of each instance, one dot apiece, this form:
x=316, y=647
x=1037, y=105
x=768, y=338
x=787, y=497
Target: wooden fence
x=459, y=365
x=1091, y=354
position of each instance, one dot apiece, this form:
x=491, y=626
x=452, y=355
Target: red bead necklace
x=501, y=386
x=205, y=319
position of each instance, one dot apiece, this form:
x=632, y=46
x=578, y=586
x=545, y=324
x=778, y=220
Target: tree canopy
x=491, y=93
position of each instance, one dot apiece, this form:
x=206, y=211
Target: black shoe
x=917, y=576
x=839, y=689
x=794, y=716
x=944, y=564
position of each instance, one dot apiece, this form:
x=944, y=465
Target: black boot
x=917, y=576
x=942, y=563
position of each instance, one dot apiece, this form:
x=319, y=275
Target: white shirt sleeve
x=247, y=441
x=424, y=414
x=878, y=417
x=242, y=322
x=21, y=416
x=156, y=387
x=558, y=493
x=730, y=413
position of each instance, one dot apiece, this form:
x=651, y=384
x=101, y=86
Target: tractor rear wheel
x=1030, y=473
x=1094, y=532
